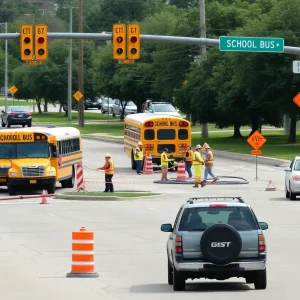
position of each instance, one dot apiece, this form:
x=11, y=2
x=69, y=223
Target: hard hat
x=198, y=147
x=107, y=155
x=140, y=143
x=205, y=145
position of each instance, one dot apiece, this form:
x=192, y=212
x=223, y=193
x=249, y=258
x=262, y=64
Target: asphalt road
x=35, y=240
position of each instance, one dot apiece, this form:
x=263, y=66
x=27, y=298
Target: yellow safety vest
x=190, y=156
x=198, y=156
x=140, y=154
x=111, y=169
x=164, y=159
x=211, y=160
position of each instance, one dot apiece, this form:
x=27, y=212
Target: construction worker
x=138, y=157
x=197, y=164
x=109, y=169
x=164, y=161
x=189, y=161
x=209, y=161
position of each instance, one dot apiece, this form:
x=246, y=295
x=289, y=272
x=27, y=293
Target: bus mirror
x=54, y=150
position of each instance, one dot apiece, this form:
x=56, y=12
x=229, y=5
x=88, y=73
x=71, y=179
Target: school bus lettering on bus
x=17, y=137
x=165, y=123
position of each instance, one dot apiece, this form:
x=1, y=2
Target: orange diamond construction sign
x=256, y=140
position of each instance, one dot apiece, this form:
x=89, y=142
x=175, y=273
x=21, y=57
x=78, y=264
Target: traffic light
x=26, y=42
x=133, y=41
x=119, y=41
x=41, y=42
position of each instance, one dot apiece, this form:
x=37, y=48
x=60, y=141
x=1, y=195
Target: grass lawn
x=118, y=194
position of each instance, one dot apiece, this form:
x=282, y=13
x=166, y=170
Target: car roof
x=207, y=201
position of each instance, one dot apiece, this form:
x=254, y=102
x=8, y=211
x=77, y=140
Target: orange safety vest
x=190, y=156
x=211, y=160
x=111, y=169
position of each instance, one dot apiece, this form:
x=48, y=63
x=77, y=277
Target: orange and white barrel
x=83, y=262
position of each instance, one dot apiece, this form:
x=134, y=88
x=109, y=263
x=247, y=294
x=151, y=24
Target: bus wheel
x=64, y=184
x=11, y=190
x=51, y=188
x=133, y=164
x=71, y=181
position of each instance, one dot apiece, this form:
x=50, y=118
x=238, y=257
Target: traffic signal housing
x=119, y=41
x=133, y=41
x=26, y=41
x=41, y=42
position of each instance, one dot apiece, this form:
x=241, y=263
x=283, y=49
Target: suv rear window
x=199, y=218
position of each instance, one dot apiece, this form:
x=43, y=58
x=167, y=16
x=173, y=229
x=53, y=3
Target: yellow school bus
x=38, y=157
x=156, y=132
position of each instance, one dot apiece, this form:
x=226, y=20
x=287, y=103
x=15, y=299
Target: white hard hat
x=198, y=147
x=140, y=143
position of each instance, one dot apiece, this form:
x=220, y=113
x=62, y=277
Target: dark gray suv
x=216, y=238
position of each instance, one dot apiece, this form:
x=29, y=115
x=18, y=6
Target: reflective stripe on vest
x=111, y=169
x=140, y=154
x=196, y=156
x=211, y=160
x=164, y=159
x=190, y=157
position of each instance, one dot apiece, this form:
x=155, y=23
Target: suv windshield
x=199, y=218
x=164, y=108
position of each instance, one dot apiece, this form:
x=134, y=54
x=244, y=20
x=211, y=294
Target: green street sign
x=251, y=44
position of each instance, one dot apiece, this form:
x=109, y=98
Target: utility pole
x=6, y=71
x=204, y=130
x=80, y=69
x=70, y=69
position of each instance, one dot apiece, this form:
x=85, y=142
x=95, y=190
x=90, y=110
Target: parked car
x=292, y=179
x=16, y=115
x=107, y=105
x=88, y=103
x=216, y=238
x=130, y=108
x=162, y=108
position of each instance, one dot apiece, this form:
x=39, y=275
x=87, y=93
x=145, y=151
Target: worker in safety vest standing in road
x=209, y=162
x=197, y=164
x=164, y=161
x=189, y=161
x=109, y=169
x=138, y=157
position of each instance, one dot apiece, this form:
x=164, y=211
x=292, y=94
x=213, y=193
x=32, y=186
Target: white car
x=292, y=179
x=130, y=108
x=106, y=105
x=162, y=108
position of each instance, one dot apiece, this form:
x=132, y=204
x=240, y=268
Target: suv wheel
x=287, y=193
x=170, y=273
x=178, y=281
x=260, y=280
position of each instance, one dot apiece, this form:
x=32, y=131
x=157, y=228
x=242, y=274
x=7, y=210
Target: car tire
x=85, y=108
x=287, y=193
x=8, y=125
x=23, y=125
x=178, y=281
x=102, y=111
x=260, y=280
x=170, y=273
x=292, y=195
x=29, y=124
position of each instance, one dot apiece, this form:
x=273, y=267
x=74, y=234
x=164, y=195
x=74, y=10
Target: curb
x=264, y=160
x=100, y=198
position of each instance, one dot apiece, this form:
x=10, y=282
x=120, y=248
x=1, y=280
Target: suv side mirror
x=166, y=227
x=263, y=225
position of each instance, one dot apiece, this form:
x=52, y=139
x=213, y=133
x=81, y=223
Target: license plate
x=20, y=116
x=32, y=181
x=2, y=180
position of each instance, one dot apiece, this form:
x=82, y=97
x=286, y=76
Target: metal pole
x=70, y=71
x=80, y=69
x=6, y=71
x=256, y=166
x=204, y=129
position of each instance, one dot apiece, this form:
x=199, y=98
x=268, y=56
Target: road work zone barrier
x=83, y=265
x=79, y=178
x=148, y=165
x=181, y=172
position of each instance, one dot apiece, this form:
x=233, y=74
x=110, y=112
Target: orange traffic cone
x=148, y=167
x=181, y=172
x=44, y=198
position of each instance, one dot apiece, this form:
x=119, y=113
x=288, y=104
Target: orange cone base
x=82, y=275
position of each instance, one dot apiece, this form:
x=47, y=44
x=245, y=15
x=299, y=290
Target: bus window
x=183, y=134
x=149, y=134
x=166, y=134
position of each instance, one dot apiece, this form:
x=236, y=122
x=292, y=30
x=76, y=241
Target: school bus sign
x=256, y=140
